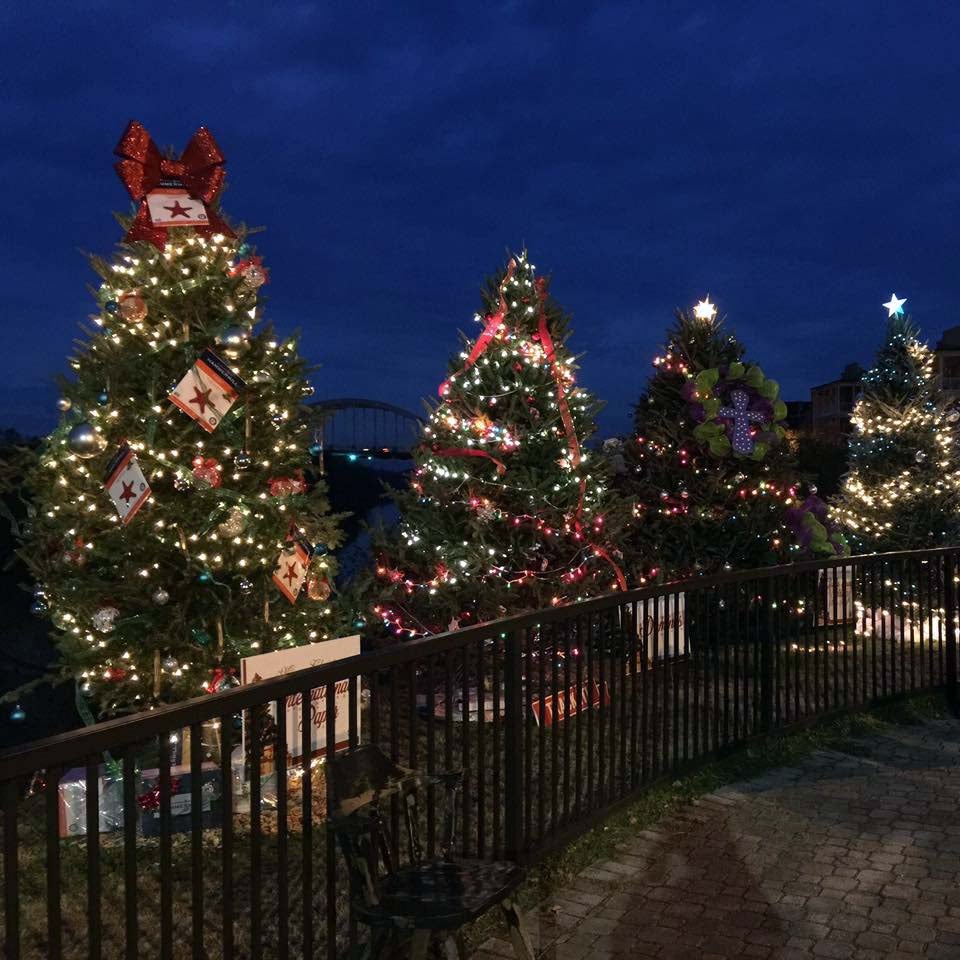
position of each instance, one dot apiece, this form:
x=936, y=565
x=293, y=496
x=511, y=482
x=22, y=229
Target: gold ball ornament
x=64, y=404
x=234, y=525
x=133, y=308
x=254, y=276
x=85, y=442
x=318, y=588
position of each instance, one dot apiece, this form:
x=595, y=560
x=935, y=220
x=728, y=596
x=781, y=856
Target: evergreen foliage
x=508, y=510
x=902, y=490
x=163, y=607
x=703, y=507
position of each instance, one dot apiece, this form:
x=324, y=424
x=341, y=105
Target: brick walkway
x=850, y=855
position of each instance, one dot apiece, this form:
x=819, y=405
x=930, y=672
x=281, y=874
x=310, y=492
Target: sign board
x=839, y=579
x=568, y=703
x=665, y=629
x=281, y=662
x=490, y=707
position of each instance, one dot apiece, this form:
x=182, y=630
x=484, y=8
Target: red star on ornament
x=177, y=211
x=201, y=398
x=291, y=573
x=128, y=493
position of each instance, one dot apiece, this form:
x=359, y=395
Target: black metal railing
x=198, y=830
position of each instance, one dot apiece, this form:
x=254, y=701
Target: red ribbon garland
x=494, y=322
x=143, y=168
x=469, y=452
x=573, y=444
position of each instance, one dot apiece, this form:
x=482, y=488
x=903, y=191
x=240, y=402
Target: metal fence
x=198, y=830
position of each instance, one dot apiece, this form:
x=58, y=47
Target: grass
x=603, y=842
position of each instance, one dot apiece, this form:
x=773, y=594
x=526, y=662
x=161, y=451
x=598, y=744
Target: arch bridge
x=356, y=428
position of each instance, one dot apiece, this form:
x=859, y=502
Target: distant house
x=947, y=353
x=832, y=403
x=799, y=415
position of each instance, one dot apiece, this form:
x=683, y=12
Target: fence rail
x=198, y=829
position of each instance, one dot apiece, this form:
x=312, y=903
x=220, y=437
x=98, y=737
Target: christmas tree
x=710, y=469
x=507, y=509
x=902, y=490
x=173, y=529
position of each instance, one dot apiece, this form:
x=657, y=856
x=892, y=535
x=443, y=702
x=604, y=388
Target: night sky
x=796, y=164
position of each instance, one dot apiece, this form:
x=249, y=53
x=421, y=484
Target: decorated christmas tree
x=902, y=490
x=508, y=510
x=709, y=467
x=173, y=529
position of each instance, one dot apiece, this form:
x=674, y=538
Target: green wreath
x=737, y=409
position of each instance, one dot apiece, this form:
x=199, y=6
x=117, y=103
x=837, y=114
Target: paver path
x=849, y=855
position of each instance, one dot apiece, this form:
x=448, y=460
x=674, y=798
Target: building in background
x=947, y=354
x=833, y=402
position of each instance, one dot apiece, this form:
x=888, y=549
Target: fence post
x=766, y=657
x=513, y=740
x=950, y=615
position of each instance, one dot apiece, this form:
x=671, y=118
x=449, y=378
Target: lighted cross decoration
x=742, y=439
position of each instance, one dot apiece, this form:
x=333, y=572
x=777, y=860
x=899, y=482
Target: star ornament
x=177, y=211
x=705, y=310
x=895, y=305
x=201, y=398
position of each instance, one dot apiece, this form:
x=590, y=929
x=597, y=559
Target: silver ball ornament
x=243, y=460
x=85, y=442
x=104, y=617
x=160, y=596
x=234, y=523
x=169, y=664
x=254, y=276
x=953, y=416
x=234, y=342
x=64, y=404
x=245, y=585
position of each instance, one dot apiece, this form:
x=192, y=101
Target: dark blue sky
x=798, y=162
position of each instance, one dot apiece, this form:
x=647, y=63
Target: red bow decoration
x=206, y=470
x=220, y=679
x=143, y=168
x=242, y=266
x=288, y=486
x=151, y=799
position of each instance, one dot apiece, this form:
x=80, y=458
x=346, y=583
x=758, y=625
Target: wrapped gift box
x=72, y=797
x=148, y=800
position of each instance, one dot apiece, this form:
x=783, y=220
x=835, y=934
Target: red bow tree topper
x=142, y=168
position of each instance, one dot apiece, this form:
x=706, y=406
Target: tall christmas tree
x=173, y=530
x=709, y=467
x=902, y=490
x=507, y=510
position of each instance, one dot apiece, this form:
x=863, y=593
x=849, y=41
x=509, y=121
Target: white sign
x=665, y=629
x=174, y=207
x=836, y=581
x=281, y=662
